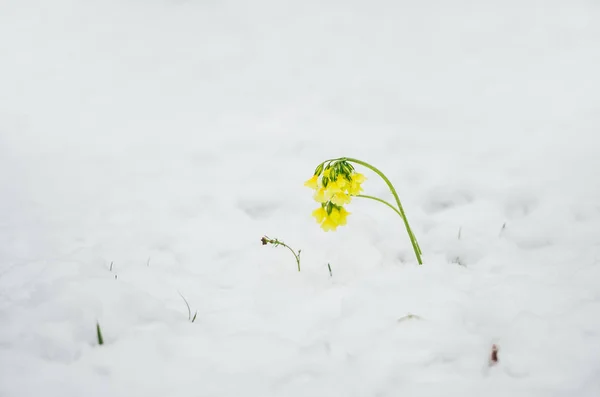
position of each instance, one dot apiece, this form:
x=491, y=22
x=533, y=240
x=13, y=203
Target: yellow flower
x=334, y=196
x=340, y=198
x=329, y=224
x=320, y=214
x=322, y=195
x=355, y=188
x=343, y=215
x=338, y=215
x=334, y=215
x=335, y=186
x=312, y=182
x=341, y=182
x=360, y=178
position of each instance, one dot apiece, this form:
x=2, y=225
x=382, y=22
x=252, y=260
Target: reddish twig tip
x=494, y=355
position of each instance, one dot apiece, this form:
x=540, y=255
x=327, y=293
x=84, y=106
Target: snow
x=167, y=137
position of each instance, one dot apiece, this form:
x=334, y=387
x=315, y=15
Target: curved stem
x=295, y=256
x=275, y=242
x=381, y=201
x=411, y=235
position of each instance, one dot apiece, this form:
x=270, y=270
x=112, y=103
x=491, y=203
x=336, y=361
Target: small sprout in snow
x=458, y=261
x=329, y=267
x=275, y=242
x=502, y=229
x=409, y=316
x=99, y=334
x=190, y=318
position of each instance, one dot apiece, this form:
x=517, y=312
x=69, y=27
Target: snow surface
x=167, y=136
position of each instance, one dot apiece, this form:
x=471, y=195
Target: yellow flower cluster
x=334, y=187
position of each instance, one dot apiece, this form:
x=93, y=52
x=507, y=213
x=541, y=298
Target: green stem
x=292, y=251
x=411, y=235
x=275, y=242
x=381, y=201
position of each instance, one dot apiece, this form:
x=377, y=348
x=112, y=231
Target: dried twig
x=494, y=355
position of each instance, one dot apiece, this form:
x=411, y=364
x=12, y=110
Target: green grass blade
x=99, y=334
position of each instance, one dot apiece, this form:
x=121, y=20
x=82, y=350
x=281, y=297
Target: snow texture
x=166, y=137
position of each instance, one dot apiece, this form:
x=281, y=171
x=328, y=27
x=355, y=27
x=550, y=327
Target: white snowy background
x=168, y=136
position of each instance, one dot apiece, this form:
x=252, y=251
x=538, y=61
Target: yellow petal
x=354, y=189
x=333, y=187
x=334, y=215
x=329, y=225
x=341, y=182
x=322, y=195
x=360, y=178
x=341, y=199
x=320, y=214
x=343, y=215
x=312, y=182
